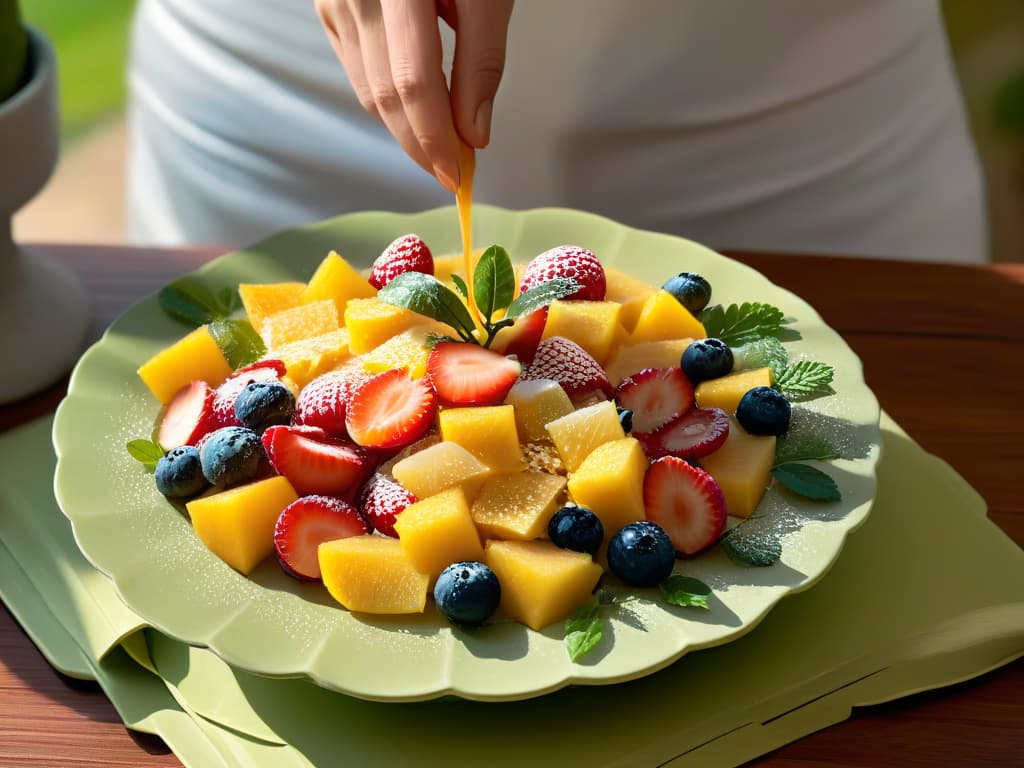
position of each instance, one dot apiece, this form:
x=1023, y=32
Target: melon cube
x=541, y=583
x=727, y=391
x=237, y=525
x=305, y=359
x=371, y=322
x=407, y=350
x=537, y=402
x=610, y=481
x=438, y=531
x=337, y=280
x=517, y=506
x=742, y=467
x=196, y=357
x=593, y=325
x=630, y=358
x=302, y=322
x=488, y=432
x=580, y=432
x=439, y=467
x=261, y=300
x=663, y=317
x=371, y=574
x=629, y=291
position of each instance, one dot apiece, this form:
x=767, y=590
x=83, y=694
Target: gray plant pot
x=44, y=311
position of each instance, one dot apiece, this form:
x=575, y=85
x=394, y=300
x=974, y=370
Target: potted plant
x=44, y=311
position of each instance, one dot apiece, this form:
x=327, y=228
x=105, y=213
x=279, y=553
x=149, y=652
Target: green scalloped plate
x=271, y=625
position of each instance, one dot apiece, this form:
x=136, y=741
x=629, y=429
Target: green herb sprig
x=193, y=303
x=147, y=452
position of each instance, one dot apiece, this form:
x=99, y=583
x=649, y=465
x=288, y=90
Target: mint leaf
x=804, y=378
x=494, y=281
x=759, y=549
x=238, y=341
x=541, y=295
x=460, y=286
x=761, y=353
x=583, y=631
x=741, y=323
x=685, y=591
x=191, y=302
x=789, y=449
x=428, y=296
x=807, y=481
x=147, y=452
x=229, y=300
x=433, y=339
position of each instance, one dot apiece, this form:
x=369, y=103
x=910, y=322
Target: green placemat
x=891, y=618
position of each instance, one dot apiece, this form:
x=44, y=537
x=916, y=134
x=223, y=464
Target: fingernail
x=446, y=180
x=482, y=122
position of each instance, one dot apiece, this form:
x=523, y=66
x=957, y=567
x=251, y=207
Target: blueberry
x=691, y=290
x=263, y=404
x=706, y=359
x=764, y=411
x=467, y=593
x=577, y=528
x=625, y=419
x=179, y=474
x=231, y=456
x=641, y=554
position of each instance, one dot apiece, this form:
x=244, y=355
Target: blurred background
x=84, y=200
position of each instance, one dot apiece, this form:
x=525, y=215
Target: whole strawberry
x=575, y=369
x=406, y=254
x=567, y=261
x=322, y=402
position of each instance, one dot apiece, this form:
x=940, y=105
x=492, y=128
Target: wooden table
x=943, y=348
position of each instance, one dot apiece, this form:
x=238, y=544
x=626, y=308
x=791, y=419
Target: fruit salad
x=499, y=457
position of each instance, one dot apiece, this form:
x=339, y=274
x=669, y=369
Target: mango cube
x=541, y=583
x=371, y=574
x=407, y=349
x=371, y=322
x=663, y=317
x=742, y=467
x=630, y=358
x=594, y=325
x=194, y=357
x=629, y=291
x=580, y=432
x=488, y=432
x=264, y=299
x=438, y=531
x=610, y=481
x=237, y=525
x=727, y=391
x=337, y=280
x=537, y=402
x=305, y=359
x=517, y=506
x=298, y=323
x=439, y=467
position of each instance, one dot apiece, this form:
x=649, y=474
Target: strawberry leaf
x=741, y=323
x=494, y=281
x=541, y=295
x=807, y=481
x=428, y=296
x=147, y=452
x=685, y=591
x=756, y=549
x=583, y=631
x=805, y=378
x=238, y=341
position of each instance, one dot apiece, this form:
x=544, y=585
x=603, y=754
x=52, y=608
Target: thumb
x=481, y=31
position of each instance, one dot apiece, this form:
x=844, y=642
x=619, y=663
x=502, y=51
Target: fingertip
x=482, y=123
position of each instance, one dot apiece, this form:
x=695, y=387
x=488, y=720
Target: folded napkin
x=891, y=618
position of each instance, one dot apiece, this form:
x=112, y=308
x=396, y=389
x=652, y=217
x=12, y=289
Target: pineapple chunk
x=742, y=467
x=237, y=525
x=371, y=574
x=438, y=531
x=580, y=432
x=663, y=317
x=337, y=280
x=541, y=583
x=264, y=299
x=594, y=325
x=537, y=402
x=439, y=467
x=488, y=432
x=610, y=481
x=302, y=322
x=194, y=357
x=727, y=391
x=630, y=358
x=517, y=506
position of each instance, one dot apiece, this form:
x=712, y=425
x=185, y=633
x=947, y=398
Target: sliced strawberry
x=380, y=501
x=391, y=410
x=308, y=522
x=567, y=261
x=187, y=417
x=521, y=339
x=686, y=501
x=322, y=402
x=575, y=369
x=315, y=463
x=698, y=432
x=655, y=396
x=408, y=253
x=466, y=374
x=226, y=394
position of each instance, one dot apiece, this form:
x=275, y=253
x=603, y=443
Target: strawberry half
x=380, y=501
x=407, y=253
x=686, y=501
x=698, y=432
x=315, y=463
x=226, y=394
x=567, y=261
x=655, y=396
x=187, y=417
x=465, y=374
x=390, y=410
x=305, y=524
x=323, y=401
x=521, y=339
x=575, y=369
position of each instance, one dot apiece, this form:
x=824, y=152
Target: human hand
x=391, y=50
